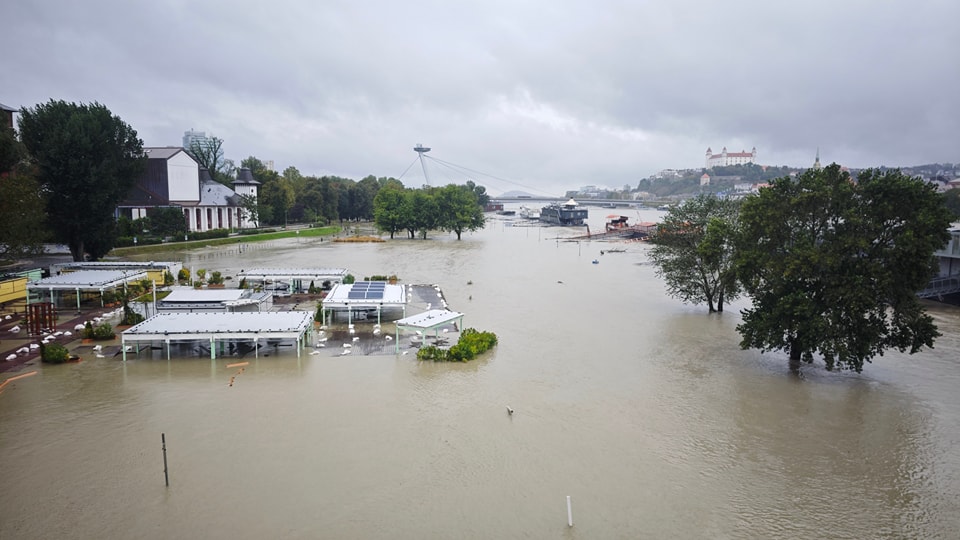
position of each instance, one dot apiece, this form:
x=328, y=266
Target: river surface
x=642, y=409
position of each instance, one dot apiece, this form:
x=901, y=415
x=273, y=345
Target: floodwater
x=642, y=409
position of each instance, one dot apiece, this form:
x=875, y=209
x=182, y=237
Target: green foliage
x=348, y=279
x=88, y=330
x=952, y=199
x=833, y=266
x=248, y=232
x=694, y=251
x=22, y=202
x=201, y=275
x=471, y=344
x=167, y=221
x=109, y=297
x=206, y=235
x=87, y=160
x=243, y=283
x=167, y=278
x=312, y=289
x=183, y=275
x=216, y=278
x=103, y=331
x=53, y=353
x=146, y=284
x=130, y=317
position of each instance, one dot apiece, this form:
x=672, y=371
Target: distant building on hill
x=724, y=158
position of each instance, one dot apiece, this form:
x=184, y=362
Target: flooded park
x=643, y=410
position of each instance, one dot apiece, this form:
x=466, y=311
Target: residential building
x=6, y=115
x=174, y=179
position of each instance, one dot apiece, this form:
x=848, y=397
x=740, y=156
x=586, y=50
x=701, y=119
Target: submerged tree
x=87, y=160
x=834, y=265
x=694, y=251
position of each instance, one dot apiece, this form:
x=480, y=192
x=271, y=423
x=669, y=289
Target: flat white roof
x=111, y=265
x=199, y=326
x=429, y=319
x=293, y=273
x=194, y=296
x=87, y=279
x=366, y=294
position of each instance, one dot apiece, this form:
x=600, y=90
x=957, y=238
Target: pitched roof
x=214, y=193
x=163, y=152
x=7, y=108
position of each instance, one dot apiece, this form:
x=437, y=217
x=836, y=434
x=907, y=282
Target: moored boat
x=529, y=213
x=566, y=214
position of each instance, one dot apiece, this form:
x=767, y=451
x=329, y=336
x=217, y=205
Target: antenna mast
x=420, y=149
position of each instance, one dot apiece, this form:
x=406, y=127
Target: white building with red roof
x=725, y=158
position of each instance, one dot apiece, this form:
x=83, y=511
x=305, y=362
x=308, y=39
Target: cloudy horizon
x=536, y=96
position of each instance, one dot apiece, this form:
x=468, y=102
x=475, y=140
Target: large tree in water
x=833, y=265
x=693, y=251
x=87, y=160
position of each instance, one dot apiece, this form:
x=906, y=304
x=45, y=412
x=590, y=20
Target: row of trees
x=63, y=174
x=454, y=208
x=832, y=265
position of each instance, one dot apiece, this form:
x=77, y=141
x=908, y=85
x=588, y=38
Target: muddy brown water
x=643, y=410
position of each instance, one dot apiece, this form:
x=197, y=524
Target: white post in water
x=569, y=513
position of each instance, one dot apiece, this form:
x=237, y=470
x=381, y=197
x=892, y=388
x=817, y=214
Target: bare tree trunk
x=794, y=357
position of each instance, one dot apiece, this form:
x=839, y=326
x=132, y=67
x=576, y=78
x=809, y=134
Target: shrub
x=88, y=330
x=348, y=279
x=216, y=278
x=201, y=275
x=247, y=232
x=431, y=352
x=183, y=275
x=130, y=317
x=312, y=289
x=167, y=278
x=243, y=283
x=54, y=353
x=109, y=297
x=146, y=285
x=103, y=331
x=206, y=235
x=471, y=343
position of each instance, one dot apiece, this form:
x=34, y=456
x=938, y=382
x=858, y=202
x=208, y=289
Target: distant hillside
x=725, y=178
x=518, y=194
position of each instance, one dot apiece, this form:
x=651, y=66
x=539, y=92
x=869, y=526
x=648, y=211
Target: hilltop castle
x=725, y=158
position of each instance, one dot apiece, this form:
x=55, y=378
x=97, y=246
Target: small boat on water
x=529, y=213
x=567, y=214
x=616, y=223
x=506, y=212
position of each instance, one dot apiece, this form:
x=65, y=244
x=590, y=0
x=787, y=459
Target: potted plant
x=216, y=280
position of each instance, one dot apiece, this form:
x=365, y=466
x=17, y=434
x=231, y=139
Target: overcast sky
x=540, y=96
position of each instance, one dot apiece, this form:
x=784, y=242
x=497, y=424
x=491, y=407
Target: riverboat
x=566, y=214
x=529, y=213
x=617, y=223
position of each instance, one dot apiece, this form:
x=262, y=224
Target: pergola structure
x=363, y=297
x=433, y=319
x=219, y=328
x=295, y=276
x=84, y=280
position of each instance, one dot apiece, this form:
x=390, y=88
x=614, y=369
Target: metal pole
x=569, y=513
x=166, y=476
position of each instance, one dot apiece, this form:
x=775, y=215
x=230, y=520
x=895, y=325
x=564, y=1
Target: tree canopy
x=22, y=203
x=694, y=251
x=453, y=208
x=87, y=160
x=833, y=265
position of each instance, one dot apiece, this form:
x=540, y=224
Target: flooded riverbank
x=643, y=410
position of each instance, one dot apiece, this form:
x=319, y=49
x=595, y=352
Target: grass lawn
x=240, y=238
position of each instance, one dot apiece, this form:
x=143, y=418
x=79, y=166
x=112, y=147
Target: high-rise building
x=191, y=138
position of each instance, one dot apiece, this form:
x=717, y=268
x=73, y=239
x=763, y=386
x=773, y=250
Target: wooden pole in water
x=569, y=513
x=166, y=477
